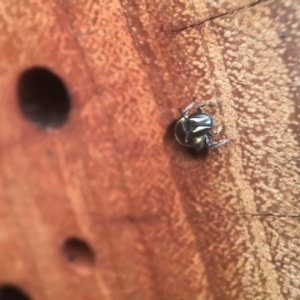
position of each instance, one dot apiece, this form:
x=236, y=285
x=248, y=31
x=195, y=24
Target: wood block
x=98, y=200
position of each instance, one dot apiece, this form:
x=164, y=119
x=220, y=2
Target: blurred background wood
x=108, y=206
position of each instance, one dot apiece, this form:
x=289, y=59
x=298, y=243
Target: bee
x=195, y=129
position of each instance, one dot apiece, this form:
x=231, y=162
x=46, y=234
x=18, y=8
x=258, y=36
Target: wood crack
x=220, y=15
x=292, y=216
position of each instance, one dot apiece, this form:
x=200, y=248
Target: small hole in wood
x=11, y=292
x=79, y=255
x=43, y=98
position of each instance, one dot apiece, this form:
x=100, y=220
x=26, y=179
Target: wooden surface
x=108, y=206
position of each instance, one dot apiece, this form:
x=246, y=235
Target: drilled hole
x=43, y=98
x=11, y=292
x=79, y=255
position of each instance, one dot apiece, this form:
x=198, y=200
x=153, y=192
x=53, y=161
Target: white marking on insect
x=199, y=119
x=200, y=128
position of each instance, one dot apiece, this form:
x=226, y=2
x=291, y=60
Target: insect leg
x=210, y=103
x=216, y=133
x=211, y=145
x=187, y=109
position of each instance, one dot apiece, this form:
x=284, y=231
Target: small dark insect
x=284, y=35
x=194, y=130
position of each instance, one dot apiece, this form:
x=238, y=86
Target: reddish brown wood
x=158, y=223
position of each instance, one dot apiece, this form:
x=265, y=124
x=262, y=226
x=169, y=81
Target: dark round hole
x=79, y=255
x=43, y=97
x=11, y=292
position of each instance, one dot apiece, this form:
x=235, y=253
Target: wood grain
x=162, y=223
